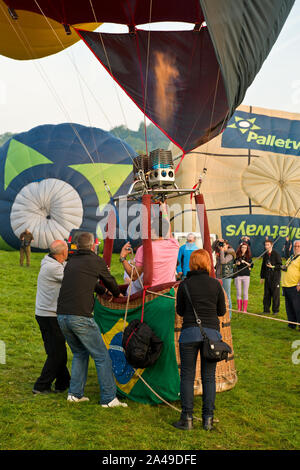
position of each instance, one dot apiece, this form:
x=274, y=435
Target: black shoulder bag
x=213, y=351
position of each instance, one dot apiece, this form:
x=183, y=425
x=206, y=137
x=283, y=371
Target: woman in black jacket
x=209, y=302
x=244, y=264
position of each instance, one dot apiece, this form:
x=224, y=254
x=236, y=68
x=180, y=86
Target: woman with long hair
x=208, y=300
x=244, y=264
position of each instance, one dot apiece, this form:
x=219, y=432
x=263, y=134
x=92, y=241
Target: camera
x=220, y=244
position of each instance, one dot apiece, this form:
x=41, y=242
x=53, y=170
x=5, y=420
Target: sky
x=72, y=86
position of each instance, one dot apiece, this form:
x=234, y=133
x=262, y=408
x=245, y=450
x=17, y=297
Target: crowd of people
x=274, y=273
x=66, y=289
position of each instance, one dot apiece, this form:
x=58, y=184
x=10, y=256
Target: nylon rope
x=147, y=71
x=24, y=41
x=135, y=370
x=82, y=77
x=237, y=311
x=128, y=298
x=174, y=298
x=265, y=251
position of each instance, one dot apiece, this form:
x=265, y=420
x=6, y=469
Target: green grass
x=260, y=412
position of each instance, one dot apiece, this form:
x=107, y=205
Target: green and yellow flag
x=163, y=376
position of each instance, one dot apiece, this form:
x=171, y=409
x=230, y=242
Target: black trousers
x=55, y=367
x=292, y=305
x=271, y=296
x=188, y=359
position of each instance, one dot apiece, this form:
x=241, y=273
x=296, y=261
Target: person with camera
x=208, y=300
x=270, y=275
x=243, y=264
x=164, y=251
x=225, y=256
x=26, y=238
x=291, y=286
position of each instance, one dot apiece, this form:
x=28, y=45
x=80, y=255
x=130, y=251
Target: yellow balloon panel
x=33, y=36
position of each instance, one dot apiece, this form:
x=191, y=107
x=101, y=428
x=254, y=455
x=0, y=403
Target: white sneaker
x=76, y=400
x=115, y=402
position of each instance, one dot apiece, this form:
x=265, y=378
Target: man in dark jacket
x=270, y=274
x=74, y=313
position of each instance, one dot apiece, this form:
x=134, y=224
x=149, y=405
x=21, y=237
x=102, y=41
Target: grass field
x=260, y=412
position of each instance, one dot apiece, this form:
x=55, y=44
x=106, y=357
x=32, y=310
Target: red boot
x=245, y=305
x=239, y=304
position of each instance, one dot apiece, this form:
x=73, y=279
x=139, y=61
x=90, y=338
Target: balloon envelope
x=33, y=36
x=252, y=181
x=187, y=82
x=52, y=180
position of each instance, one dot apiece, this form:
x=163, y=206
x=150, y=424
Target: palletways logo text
x=261, y=132
x=258, y=227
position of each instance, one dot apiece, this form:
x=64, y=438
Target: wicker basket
x=226, y=376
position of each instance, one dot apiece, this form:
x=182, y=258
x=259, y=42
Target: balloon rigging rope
x=265, y=251
x=45, y=78
x=84, y=81
x=135, y=370
x=237, y=311
x=174, y=298
x=52, y=89
x=147, y=71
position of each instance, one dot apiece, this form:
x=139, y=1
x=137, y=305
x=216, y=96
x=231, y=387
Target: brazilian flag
x=163, y=376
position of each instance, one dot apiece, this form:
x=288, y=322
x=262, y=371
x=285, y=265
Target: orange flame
x=165, y=96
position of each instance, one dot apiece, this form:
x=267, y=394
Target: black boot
x=207, y=423
x=185, y=423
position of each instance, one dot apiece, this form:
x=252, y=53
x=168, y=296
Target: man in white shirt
x=48, y=287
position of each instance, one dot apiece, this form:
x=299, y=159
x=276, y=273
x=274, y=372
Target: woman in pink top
x=164, y=251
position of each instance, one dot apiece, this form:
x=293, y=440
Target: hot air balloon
x=53, y=179
x=252, y=177
x=26, y=35
x=189, y=84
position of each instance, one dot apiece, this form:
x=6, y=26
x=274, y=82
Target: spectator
x=225, y=256
x=48, y=286
x=74, y=312
x=270, y=275
x=291, y=286
x=287, y=248
x=245, y=239
x=209, y=302
x=26, y=238
x=244, y=265
x=184, y=255
x=164, y=252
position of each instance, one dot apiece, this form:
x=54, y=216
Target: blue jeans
x=227, y=288
x=83, y=336
x=188, y=358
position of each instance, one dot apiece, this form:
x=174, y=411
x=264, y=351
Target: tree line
x=137, y=139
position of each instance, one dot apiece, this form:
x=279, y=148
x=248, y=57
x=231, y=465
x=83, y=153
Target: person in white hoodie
x=48, y=286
